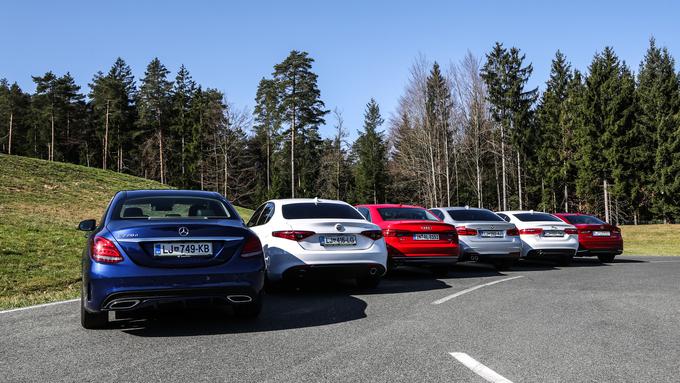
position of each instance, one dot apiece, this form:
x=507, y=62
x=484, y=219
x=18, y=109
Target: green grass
x=41, y=204
x=651, y=239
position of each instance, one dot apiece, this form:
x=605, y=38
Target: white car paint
x=566, y=242
x=282, y=254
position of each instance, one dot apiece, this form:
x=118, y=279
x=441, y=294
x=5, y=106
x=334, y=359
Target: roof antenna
x=316, y=200
x=467, y=207
x=531, y=211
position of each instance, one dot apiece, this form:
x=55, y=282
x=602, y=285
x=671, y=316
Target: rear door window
x=438, y=213
x=473, y=215
x=266, y=215
x=405, y=213
x=321, y=210
x=365, y=212
x=537, y=217
x=256, y=215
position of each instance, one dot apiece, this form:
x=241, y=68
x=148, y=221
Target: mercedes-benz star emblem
x=339, y=227
x=183, y=231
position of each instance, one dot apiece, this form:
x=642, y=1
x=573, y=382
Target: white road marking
x=39, y=306
x=485, y=372
x=440, y=301
x=663, y=261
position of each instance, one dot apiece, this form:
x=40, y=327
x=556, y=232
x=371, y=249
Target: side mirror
x=87, y=225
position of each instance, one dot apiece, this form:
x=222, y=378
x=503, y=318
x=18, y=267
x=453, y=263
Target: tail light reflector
x=373, y=234
x=531, y=231
x=252, y=247
x=395, y=233
x=570, y=231
x=293, y=235
x=104, y=251
x=512, y=232
x=462, y=230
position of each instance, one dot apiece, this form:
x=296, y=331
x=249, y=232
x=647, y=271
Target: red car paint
x=402, y=247
x=589, y=244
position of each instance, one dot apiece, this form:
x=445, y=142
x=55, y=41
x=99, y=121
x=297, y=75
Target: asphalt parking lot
x=589, y=322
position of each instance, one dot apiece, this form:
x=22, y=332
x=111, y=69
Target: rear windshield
x=536, y=217
x=311, y=210
x=405, y=213
x=474, y=215
x=171, y=207
x=583, y=220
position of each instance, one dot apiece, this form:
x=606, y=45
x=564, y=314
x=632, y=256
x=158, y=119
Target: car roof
x=523, y=212
x=388, y=205
x=461, y=208
x=170, y=192
x=286, y=201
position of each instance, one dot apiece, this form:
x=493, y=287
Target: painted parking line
x=485, y=372
x=473, y=288
x=39, y=306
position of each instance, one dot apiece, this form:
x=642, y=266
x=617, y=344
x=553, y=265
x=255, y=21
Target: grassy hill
x=41, y=204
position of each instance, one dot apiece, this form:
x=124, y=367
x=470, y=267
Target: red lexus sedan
x=414, y=236
x=595, y=237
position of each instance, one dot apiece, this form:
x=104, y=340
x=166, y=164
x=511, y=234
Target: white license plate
x=553, y=233
x=338, y=240
x=182, y=249
x=601, y=233
x=491, y=233
x=425, y=237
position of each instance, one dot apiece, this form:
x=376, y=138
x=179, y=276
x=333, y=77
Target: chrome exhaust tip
x=372, y=271
x=125, y=304
x=239, y=298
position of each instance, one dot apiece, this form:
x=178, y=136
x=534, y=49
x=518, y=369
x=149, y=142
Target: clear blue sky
x=362, y=49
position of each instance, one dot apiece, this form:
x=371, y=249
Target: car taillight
x=512, y=232
x=293, y=235
x=570, y=231
x=451, y=236
x=462, y=230
x=252, y=247
x=582, y=231
x=531, y=231
x=373, y=234
x=395, y=233
x=104, y=251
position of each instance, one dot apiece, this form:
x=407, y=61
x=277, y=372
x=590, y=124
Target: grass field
x=41, y=204
x=651, y=239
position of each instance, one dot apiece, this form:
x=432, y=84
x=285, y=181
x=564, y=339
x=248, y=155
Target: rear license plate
x=182, y=249
x=491, y=233
x=553, y=233
x=601, y=233
x=425, y=237
x=338, y=240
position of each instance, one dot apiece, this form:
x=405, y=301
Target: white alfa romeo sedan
x=304, y=238
x=544, y=236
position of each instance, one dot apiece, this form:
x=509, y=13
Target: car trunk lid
x=333, y=235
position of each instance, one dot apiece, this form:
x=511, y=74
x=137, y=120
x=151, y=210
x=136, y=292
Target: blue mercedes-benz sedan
x=157, y=248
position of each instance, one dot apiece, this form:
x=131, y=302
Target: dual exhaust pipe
x=127, y=304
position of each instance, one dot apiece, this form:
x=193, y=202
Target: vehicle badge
x=339, y=227
x=493, y=227
x=183, y=231
x=426, y=227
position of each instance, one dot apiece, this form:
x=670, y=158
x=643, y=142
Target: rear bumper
x=595, y=252
x=334, y=271
x=550, y=253
x=471, y=256
x=423, y=260
x=105, y=286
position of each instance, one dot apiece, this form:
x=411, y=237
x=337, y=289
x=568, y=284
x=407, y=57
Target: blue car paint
x=177, y=278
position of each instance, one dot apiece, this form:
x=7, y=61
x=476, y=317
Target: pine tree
x=303, y=111
x=438, y=112
x=371, y=153
x=266, y=138
x=657, y=126
x=153, y=102
x=182, y=95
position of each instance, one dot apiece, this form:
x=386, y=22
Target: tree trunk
x=519, y=180
x=160, y=151
x=566, y=199
x=505, y=181
x=606, y=202
x=9, y=144
x=106, y=137
x=51, y=151
x=268, y=163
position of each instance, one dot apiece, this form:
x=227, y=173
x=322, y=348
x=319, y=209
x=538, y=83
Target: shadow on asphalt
x=307, y=305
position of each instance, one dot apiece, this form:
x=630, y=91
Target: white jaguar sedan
x=319, y=238
x=544, y=236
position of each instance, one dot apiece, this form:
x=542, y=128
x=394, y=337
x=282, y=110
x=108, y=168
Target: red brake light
x=570, y=231
x=462, y=230
x=252, y=247
x=373, y=234
x=104, y=251
x=512, y=232
x=293, y=235
x=531, y=231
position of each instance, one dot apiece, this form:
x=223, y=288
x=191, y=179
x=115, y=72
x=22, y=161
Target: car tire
x=249, y=310
x=440, y=271
x=606, y=258
x=92, y=321
x=368, y=282
x=565, y=261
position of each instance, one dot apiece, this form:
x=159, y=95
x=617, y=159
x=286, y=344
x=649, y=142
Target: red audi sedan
x=595, y=237
x=414, y=236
